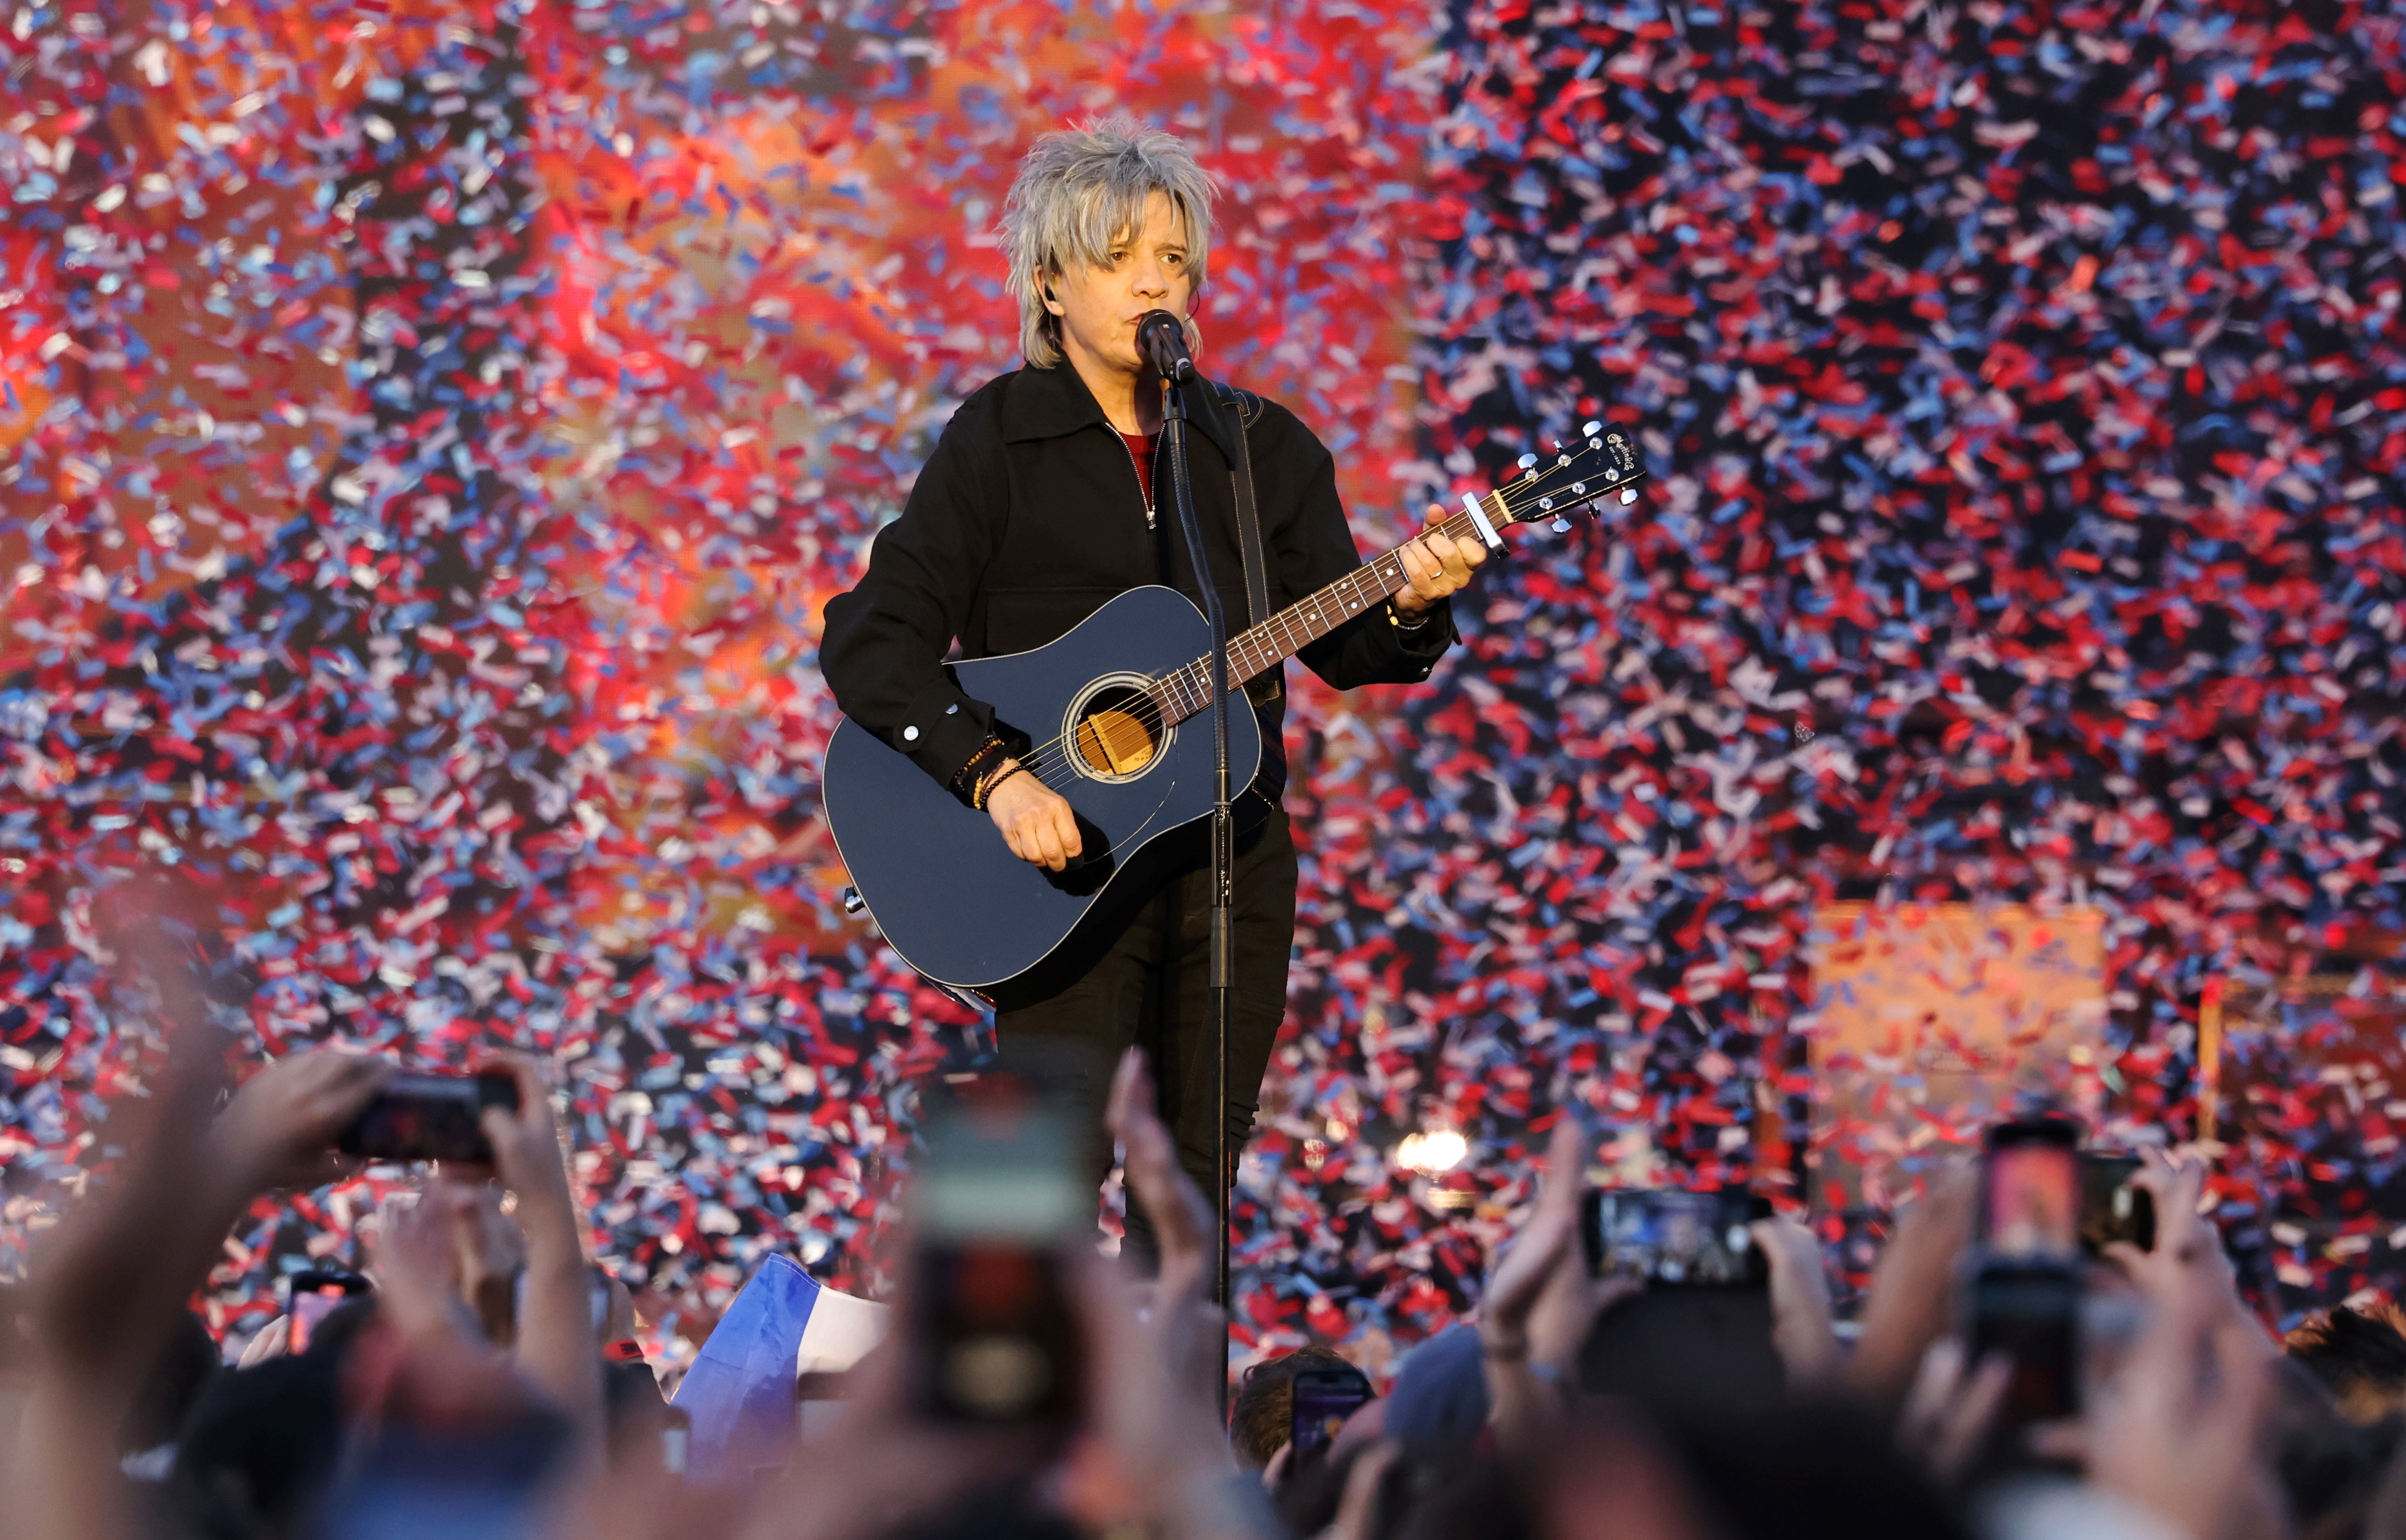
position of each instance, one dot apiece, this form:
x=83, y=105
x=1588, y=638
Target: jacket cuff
x=940, y=728
x=1424, y=644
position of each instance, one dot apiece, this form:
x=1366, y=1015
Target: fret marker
x=1478, y=521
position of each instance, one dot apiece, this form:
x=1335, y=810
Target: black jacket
x=1028, y=517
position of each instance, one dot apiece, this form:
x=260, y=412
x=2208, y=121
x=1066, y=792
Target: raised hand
x=1913, y=1287
x=1155, y=1379
x=279, y=1129
x=1183, y=1217
x=1540, y=1301
x=1952, y=1405
x=555, y=1335
x=2180, y=1432
x=274, y=1340
x=1541, y=1248
x=527, y=1157
x=1801, y=1332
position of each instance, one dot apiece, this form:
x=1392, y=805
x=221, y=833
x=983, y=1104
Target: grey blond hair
x=1078, y=192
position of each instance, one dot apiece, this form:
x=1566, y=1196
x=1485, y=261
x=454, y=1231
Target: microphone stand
x=1223, y=979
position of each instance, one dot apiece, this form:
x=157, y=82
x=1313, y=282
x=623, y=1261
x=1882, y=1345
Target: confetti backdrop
x=432, y=430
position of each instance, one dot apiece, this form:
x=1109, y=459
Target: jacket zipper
x=1142, y=484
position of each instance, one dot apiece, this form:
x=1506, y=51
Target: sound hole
x=1119, y=731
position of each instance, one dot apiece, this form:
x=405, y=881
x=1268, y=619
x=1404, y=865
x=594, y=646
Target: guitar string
x=1060, y=752
x=1146, y=710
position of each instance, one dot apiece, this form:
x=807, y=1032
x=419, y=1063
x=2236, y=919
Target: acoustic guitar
x=1114, y=717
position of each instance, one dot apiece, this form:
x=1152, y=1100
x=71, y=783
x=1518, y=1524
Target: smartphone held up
x=999, y=1208
x=1324, y=1400
x=419, y=1116
x=311, y=1297
x=2047, y=1210
x=1675, y=1239
x=1699, y=1329
x=2023, y=1291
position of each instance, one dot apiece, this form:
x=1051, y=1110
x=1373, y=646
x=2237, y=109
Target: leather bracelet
x=964, y=779
x=978, y=787
x=985, y=790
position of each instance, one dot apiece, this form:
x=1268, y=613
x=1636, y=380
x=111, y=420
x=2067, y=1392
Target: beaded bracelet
x=986, y=789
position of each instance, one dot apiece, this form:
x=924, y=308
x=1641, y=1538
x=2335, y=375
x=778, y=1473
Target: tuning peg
x=1562, y=526
x=1528, y=462
x=1590, y=430
x=1628, y=495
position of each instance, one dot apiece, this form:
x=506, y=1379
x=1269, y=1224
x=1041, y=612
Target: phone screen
x=310, y=1298
x=416, y=1117
x=1001, y=1200
x=1674, y=1239
x=2030, y=1194
x=1324, y=1399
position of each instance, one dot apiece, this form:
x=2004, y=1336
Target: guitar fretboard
x=1254, y=652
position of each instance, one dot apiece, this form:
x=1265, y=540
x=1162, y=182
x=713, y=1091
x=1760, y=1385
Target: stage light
x=1432, y=1154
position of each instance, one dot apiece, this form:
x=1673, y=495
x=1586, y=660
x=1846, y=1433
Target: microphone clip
x=1161, y=337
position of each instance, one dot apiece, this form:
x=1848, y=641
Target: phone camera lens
x=997, y=1376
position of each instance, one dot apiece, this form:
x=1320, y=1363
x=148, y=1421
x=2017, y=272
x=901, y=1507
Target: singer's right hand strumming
x=1036, y=821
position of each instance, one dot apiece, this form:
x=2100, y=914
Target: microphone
x=1161, y=337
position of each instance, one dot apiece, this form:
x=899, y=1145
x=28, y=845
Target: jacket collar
x=1054, y=403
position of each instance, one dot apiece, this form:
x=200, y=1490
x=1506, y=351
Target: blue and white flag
x=740, y=1390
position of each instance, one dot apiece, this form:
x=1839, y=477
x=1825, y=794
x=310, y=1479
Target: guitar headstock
x=1603, y=463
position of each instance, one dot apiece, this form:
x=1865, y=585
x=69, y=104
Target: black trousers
x=1152, y=988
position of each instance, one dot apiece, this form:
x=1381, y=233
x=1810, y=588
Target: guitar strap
x=1261, y=691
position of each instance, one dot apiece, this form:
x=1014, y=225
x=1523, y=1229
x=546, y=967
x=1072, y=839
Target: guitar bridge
x=1116, y=743
x=1117, y=730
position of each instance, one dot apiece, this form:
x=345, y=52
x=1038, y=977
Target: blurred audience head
x=1438, y=1401
x=185, y=1365
x=262, y=1444
x=2360, y=1353
x=1261, y=1416
x=490, y=1385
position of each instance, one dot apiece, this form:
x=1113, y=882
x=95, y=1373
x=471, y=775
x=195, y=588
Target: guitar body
x=945, y=889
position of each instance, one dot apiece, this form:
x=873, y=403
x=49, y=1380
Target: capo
x=1478, y=520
